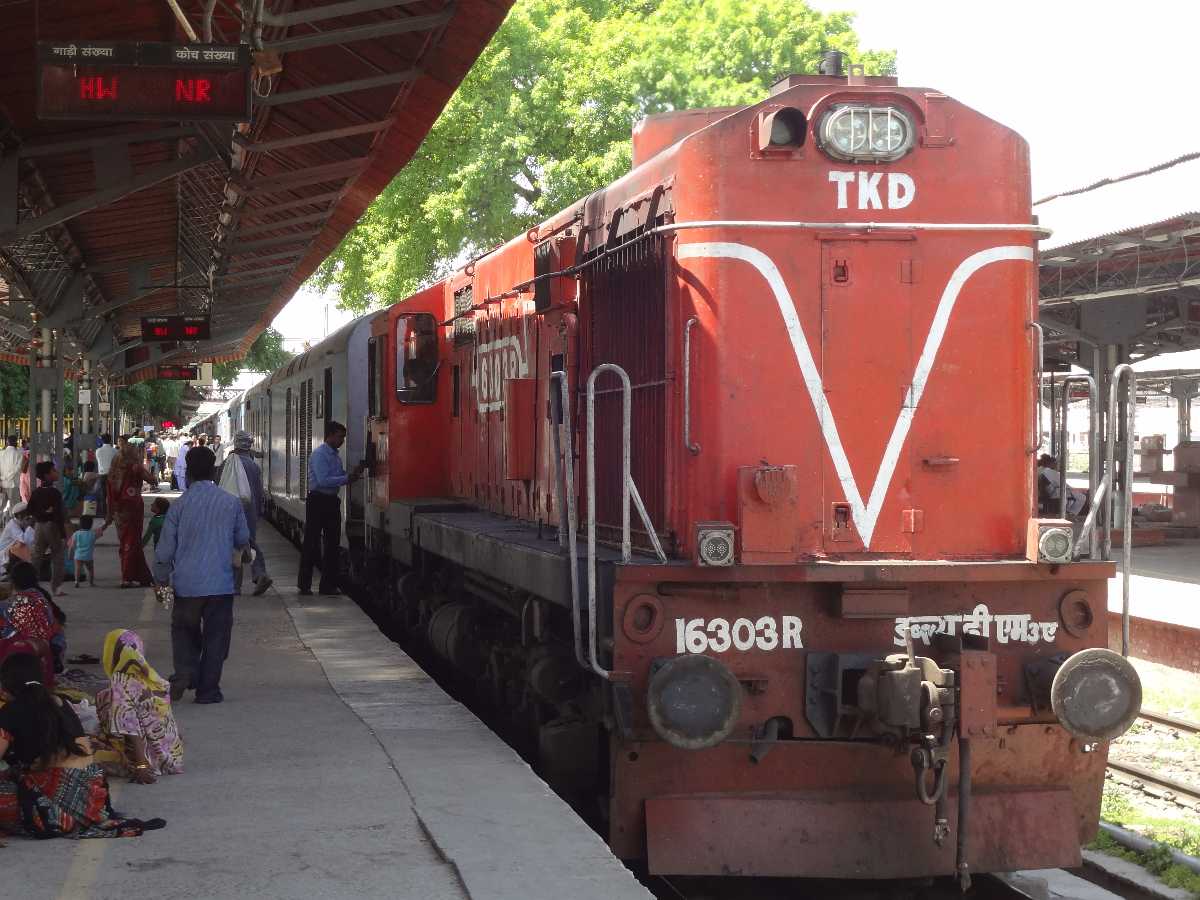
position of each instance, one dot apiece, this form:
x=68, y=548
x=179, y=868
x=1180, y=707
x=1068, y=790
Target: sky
x=1098, y=88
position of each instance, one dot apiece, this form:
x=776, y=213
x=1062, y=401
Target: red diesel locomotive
x=722, y=482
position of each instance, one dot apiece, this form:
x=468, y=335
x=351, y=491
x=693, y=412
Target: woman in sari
x=28, y=623
x=135, y=711
x=53, y=787
x=125, y=506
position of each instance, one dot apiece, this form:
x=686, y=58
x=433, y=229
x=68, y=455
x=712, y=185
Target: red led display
x=176, y=328
x=143, y=81
x=179, y=373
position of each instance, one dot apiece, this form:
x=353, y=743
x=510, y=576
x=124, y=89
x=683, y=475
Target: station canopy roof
x=1122, y=267
x=102, y=223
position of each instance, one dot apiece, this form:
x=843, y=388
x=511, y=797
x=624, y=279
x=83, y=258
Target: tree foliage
x=545, y=116
x=266, y=354
x=157, y=399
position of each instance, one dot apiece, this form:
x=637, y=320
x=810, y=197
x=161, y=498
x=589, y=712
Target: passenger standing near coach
x=50, y=523
x=11, y=458
x=203, y=530
x=181, y=467
x=242, y=452
x=323, y=511
x=105, y=454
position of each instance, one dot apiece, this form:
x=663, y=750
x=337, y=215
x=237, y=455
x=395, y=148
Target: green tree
x=157, y=398
x=545, y=116
x=14, y=389
x=266, y=354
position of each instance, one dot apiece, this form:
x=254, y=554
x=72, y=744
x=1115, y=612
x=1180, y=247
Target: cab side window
x=417, y=361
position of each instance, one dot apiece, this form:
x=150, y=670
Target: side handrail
x=629, y=493
x=1040, y=370
x=692, y=447
x=565, y=488
x=1093, y=448
x=1122, y=372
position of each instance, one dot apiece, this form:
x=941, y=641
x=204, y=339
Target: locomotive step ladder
x=565, y=494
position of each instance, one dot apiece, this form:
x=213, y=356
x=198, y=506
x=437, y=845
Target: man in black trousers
x=323, y=511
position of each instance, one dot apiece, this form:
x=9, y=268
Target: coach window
x=416, y=358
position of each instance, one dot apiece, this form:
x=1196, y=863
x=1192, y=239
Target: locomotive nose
x=1096, y=694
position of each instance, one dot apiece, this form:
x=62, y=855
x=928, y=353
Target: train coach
x=721, y=483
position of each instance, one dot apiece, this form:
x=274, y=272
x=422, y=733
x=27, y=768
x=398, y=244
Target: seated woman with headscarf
x=53, y=787
x=29, y=622
x=135, y=711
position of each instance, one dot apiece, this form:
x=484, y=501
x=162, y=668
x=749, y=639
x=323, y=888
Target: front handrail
x=1093, y=447
x=1122, y=372
x=567, y=517
x=629, y=493
x=1041, y=350
x=692, y=446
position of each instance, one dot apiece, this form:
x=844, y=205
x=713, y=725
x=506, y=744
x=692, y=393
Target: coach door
x=867, y=354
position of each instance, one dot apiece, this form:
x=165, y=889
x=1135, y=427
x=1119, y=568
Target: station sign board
x=179, y=373
x=159, y=329
x=131, y=80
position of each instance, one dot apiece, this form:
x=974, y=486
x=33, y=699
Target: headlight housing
x=857, y=132
x=693, y=702
x=1096, y=694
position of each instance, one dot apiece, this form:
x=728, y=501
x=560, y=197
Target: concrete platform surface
x=335, y=768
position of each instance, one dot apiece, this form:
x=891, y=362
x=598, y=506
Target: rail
x=691, y=446
x=1122, y=372
x=564, y=486
x=1037, y=397
x=1093, y=448
x=629, y=492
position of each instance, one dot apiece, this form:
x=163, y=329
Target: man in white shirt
x=17, y=533
x=104, y=460
x=11, y=458
x=181, y=467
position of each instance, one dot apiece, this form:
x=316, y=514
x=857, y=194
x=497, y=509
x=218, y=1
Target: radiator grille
x=624, y=294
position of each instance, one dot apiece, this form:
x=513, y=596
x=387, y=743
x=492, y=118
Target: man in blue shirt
x=323, y=511
x=203, y=530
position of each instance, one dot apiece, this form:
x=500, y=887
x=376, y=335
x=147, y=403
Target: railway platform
x=335, y=768
x=1164, y=603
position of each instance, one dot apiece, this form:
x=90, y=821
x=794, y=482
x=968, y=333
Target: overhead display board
x=179, y=373
x=156, y=329
x=128, y=80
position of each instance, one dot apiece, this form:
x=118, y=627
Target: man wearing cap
x=243, y=443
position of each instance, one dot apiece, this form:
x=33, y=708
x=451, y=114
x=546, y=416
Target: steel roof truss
x=66, y=211
x=72, y=145
x=340, y=87
x=338, y=171
x=313, y=137
x=329, y=11
x=363, y=32
x=299, y=236
x=282, y=223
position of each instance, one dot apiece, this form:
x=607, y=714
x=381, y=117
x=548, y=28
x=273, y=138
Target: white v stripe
x=864, y=516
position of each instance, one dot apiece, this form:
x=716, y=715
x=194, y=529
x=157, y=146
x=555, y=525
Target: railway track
x=1143, y=778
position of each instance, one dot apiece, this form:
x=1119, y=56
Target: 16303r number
x=720, y=635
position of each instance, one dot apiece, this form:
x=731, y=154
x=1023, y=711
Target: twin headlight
x=856, y=132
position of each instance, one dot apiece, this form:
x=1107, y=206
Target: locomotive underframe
x=491, y=597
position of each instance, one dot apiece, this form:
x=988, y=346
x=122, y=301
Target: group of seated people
x=59, y=744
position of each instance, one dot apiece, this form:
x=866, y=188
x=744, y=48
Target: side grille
x=625, y=297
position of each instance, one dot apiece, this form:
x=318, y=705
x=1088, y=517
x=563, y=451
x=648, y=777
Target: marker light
x=867, y=133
